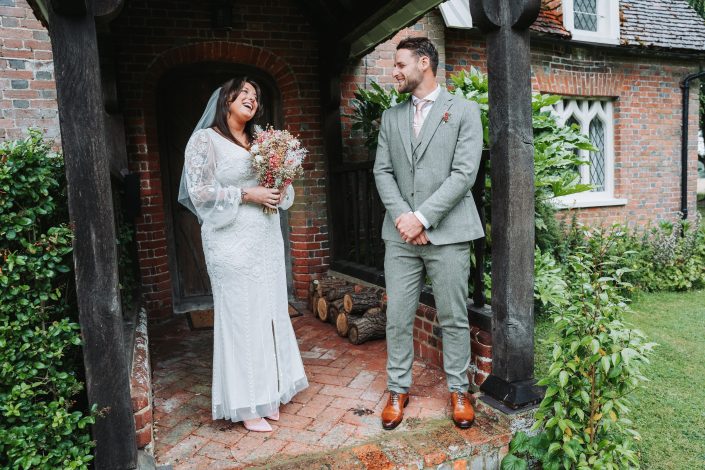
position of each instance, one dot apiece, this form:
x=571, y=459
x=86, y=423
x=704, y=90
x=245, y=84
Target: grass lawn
x=669, y=411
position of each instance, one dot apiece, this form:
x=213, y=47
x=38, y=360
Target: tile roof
x=550, y=19
x=669, y=24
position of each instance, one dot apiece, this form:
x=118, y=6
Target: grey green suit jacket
x=433, y=174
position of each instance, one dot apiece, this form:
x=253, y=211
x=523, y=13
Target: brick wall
x=428, y=345
x=141, y=385
x=646, y=95
x=27, y=89
x=152, y=37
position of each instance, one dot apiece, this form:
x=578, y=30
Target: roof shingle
x=668, y=24
x=550, y=19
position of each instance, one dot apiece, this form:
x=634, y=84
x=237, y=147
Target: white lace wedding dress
x=256, y=360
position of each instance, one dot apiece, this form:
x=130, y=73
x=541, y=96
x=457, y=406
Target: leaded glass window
x=594, y=119
x=592, y=21
x=585, y=12
x=597, y=158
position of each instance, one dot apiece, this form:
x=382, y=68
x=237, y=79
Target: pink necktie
x=418, y=116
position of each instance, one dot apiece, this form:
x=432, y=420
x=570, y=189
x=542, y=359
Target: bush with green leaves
x=40, y=424
x=368, y=107
x=672, y=256
x=667, y=257
x=597, y=362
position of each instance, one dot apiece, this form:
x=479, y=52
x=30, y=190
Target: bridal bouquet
x=277, y=157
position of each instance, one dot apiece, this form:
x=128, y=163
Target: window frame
x=607, y=23
x=584, y=110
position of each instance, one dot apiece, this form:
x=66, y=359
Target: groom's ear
x=424, y=62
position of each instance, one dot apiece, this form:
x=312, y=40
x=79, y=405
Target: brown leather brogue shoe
x=463, y=414
x=393, y=413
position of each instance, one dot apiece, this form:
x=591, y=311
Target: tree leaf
x=512, y=462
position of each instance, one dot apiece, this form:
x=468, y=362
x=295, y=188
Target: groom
x=427, y=159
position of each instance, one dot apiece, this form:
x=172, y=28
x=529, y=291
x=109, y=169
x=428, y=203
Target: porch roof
x=357, y=27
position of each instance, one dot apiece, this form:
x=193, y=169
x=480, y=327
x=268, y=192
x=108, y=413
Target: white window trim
x=608, y=23
x=456, y=14
x=583, y=110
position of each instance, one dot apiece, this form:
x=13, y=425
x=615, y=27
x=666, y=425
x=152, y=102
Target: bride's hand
x=282, y=194
x=268, y=197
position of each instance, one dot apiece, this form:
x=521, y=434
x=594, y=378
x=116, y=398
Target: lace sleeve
x=215, y=204
x=288, y=200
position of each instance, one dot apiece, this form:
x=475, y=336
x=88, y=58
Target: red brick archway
x=151, y=226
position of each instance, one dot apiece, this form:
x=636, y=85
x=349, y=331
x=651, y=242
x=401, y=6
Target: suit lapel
x=432, y=121
x=404, y=127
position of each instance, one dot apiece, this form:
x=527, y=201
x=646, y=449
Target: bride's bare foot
x=257, y=425
x=274, y=416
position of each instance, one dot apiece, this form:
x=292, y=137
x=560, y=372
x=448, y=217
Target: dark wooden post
x=505, y=24
x=73, y=36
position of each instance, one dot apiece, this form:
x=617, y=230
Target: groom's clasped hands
x=411, y=230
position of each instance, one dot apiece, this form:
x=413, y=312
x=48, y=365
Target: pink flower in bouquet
x=277, y=158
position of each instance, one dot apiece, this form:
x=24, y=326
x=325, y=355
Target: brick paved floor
x=339, y=410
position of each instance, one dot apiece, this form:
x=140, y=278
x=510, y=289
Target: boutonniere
x=446, y=116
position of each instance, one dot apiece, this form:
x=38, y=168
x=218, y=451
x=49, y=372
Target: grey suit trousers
x=448, y=266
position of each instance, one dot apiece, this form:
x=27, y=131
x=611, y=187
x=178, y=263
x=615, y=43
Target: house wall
x=27, y=88
x=153, y=37
x=647, y=100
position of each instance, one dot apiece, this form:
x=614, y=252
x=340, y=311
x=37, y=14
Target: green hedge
x=41, y=425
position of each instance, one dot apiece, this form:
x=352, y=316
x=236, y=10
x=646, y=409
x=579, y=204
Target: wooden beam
x=83, y=136
x=107, y=10
x=359, y=26
x=505, y=23
x=385, y=23
x=69, y=7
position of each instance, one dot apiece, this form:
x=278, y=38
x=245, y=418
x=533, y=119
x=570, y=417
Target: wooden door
x=182, y=97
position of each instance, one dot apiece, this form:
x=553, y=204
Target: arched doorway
x=182, y=94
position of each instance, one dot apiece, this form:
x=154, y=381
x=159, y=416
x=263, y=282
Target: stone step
x=425, y=444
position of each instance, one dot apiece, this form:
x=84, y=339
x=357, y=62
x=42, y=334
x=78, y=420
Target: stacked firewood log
x=356, y=312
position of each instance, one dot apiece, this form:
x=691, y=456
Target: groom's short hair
x=421, y=47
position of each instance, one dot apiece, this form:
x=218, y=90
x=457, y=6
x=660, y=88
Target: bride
x=256, y=361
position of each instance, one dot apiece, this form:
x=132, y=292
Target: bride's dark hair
x=228, y=92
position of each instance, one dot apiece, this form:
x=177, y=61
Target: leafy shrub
x=672, y=256
x=549, y=286
x=368, y=107
x=597, y=361
x=40, y=426
x=667, y=257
